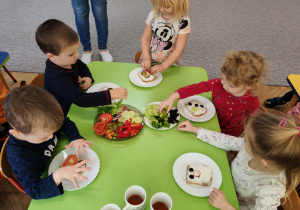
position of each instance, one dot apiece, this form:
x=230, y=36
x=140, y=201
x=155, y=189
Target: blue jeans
x=81, y=11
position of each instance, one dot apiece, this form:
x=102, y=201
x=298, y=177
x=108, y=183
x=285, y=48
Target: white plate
x=179, y=173
x=135, y=79
x=99, y=86
x=211, y=110
x=147, y=120
x=93, y=162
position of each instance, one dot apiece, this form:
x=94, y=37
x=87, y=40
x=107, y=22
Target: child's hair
x=29, y=108
x=278, y=144
x=244, y=67
x=181, y=7
x=53, y=36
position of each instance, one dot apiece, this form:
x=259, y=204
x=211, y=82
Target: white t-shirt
x=255, y=189
x=164, y=35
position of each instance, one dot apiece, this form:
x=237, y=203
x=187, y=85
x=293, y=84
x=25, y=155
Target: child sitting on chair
x=4, y=127
x=241, y=73
x=35, y=116
x=64, y=71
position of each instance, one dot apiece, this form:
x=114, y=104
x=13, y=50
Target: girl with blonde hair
x=232, y=95
x=267, y=167
x=165, y=34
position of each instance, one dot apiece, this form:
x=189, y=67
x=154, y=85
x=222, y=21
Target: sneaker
x=86, y=58
x=106, y=56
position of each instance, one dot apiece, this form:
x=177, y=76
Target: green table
x=146, y=160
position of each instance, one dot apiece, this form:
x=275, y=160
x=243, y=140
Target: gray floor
x=270, y=27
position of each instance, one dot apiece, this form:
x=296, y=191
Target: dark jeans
x=81, y=10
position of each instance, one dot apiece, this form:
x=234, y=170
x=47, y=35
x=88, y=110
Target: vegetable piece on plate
x=100, y=128
x=105, y=117
x=112, y=109
x=71, y=160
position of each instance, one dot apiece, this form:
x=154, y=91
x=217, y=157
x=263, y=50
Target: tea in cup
x=135, y=198
x=161, y=201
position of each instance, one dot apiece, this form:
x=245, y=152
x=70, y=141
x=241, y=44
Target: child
x=267, y=167
x=64, y=72
x=35, y=116
x=165, y=34
x=232, y=94
x=4, y=127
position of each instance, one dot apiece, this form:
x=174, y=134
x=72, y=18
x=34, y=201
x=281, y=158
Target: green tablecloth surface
x=146, y=160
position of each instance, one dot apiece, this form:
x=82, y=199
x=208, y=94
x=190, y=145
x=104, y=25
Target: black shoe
x=274, y=102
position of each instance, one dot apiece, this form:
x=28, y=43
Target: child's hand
x=87, y=81
x=146, y=63
x=217, y=199
x=118, y=93
x=71, y=173
x=187, y=126
x=79, y=144
x=157, y=68
x=168, y=102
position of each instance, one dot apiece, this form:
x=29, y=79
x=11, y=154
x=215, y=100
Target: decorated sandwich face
x=146, y=76
x=198, y=174
x=196, y=108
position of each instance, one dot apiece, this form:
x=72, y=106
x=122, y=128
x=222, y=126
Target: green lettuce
x=113, y=109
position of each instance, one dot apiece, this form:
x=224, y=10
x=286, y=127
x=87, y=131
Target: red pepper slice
x=149, y=71
x=125, y=133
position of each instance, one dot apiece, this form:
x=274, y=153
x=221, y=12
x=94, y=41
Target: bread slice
x=195, y=108
x=146, y=77
x=198, y=174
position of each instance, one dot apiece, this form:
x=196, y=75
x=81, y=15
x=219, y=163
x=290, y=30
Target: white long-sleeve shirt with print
x=255, y=189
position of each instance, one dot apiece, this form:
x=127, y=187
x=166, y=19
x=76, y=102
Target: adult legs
x=81, y=10
x=99, y=9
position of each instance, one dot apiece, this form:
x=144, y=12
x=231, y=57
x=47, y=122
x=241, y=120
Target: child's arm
x=177, y=52
x=168, y=102
x=118, y=93
x=86, y=83
x=220, y=140
x=145, y=45
x=187, y=91
x=70, y=173
x=217, y=199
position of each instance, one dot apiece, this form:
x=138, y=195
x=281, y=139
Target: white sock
x=86, y=58
x=106, y=56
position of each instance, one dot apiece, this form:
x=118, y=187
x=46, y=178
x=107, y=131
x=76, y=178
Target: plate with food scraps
x=197, y=168
x=103, y=86
x=202, y=108
x=127, y=124
x=141, y=77
x=93, y=162
x=153, y=118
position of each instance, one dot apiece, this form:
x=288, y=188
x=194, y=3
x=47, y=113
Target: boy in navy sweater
x=35, y=116
x=64, y=72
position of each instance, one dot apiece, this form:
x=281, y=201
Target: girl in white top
x=267, y=166
x=165, y=34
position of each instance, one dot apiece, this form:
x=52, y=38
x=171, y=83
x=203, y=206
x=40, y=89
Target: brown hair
x=244, y=67
x=53, y=36
x=278, y=144
x=29, y=107
x=181, y=7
